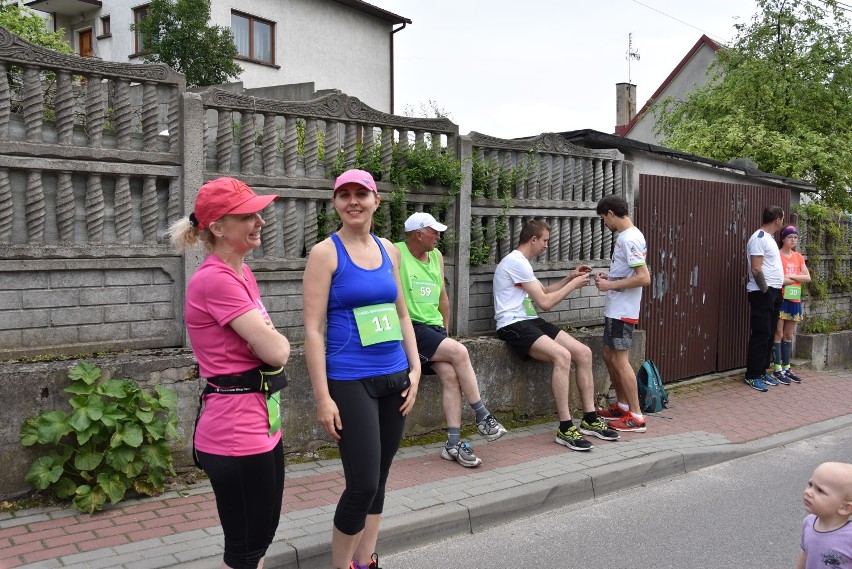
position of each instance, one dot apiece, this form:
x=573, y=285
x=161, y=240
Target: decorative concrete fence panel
x=545, y=177
x=90, y=173
x=294, y=150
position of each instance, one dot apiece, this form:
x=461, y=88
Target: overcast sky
x=510, y=68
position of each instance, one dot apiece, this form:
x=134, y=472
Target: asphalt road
x=742, y=514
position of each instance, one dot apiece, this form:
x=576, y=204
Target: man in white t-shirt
x=628, y=273
x=765, y=279
x=517, y=293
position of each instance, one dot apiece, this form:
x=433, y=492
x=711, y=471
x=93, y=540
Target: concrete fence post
x=192, y=127
x=461, y=290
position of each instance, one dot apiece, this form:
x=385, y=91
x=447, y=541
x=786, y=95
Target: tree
x=28, y=25
x=781, y=96
x=177, y=33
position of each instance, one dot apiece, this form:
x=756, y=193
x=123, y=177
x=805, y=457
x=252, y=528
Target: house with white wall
x=689, y=74
x=334, y=44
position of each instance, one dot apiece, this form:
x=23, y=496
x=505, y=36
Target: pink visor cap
x=227, y=196
x=360, y=178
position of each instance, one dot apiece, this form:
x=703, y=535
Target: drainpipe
x=399, y=29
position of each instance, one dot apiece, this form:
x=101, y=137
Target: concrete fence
x=98, y=158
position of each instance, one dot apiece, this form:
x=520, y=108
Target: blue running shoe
x=769, y=380
x=781, y=377
x=792, y=376
x=756, y=383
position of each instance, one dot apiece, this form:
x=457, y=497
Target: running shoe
x=374, y=563
x=792, y=376
x=614, y=412
x=756, y=383
x=573, y=439
x=461, y=453
x=490, y=428
x=599, y=429
x=781, y=377
x=769, y=380
x=629, y=424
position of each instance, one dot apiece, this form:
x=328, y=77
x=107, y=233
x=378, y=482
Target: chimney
x=625, y=106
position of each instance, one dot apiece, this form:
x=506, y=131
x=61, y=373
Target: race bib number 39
x=425, y=291
x=377, y=323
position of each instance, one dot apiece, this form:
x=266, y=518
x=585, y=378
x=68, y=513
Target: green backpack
x=653, y=397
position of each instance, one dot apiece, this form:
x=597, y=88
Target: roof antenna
x=631, y=54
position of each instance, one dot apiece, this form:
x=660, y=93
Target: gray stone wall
x=91, y=306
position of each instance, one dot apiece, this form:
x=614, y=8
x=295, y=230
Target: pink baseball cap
x=227, y=196
x=360, y=178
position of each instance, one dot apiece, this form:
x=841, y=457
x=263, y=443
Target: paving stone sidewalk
x=428, y=498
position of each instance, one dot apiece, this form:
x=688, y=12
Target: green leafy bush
x=116, y=438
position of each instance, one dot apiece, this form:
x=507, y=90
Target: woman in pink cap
x=795, y=274
x=362, y=359
x=237, y=439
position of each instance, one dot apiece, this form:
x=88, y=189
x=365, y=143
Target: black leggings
x=372, y=430
x=249, y=491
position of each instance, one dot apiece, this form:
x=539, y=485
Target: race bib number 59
x=425, y=291
x=377, y=323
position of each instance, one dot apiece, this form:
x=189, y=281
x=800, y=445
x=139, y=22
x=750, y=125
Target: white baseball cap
x=422, y=219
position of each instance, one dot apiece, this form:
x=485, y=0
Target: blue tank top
x=353, y=287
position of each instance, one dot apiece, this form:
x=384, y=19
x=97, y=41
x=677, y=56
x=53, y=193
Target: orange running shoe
x=628, y=423
x=614, y=412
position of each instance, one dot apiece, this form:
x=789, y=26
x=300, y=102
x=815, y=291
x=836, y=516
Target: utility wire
x=714, y=36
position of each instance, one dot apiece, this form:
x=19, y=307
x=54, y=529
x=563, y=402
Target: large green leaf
x=113, y=485
x=29, y=432
x=65, y=488
x=144, y=486
x=119, y=457
x=145, y=416
x=79, y=420
x=157, y=430
x=52, y=426
x=156, y=455
x=85, y=372
x=95, y=408
x=88, y=460
x=92, y=431
x=168, y=397
x=115, y=388
x=129, y=434
x=89, y=499
x=112, y=415
x=80, y=388
x=134, y=468
x=44, y=472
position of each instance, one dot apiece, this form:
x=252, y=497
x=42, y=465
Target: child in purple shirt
x=827, y=532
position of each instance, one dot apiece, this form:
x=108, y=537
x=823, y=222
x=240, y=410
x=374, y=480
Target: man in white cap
x=422, y=274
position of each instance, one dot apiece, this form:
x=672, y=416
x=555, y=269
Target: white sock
x=638, y=417
x=623, y=406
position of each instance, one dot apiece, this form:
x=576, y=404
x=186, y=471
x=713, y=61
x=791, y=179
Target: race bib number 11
x=377, y=323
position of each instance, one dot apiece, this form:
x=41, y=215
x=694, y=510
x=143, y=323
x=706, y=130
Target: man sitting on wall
x=517, y=293
x=422, y=274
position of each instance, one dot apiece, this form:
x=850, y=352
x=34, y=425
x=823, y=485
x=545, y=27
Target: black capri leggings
x=249, y=491
x=372, y=430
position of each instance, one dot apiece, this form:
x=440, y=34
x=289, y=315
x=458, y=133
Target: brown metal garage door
x=695, y=314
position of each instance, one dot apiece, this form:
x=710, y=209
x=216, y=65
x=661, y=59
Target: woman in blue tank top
x=357, y=330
